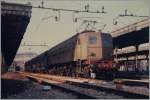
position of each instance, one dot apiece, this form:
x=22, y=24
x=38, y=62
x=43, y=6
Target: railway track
x=80, y=93
x=84, y=90
x=130, y=82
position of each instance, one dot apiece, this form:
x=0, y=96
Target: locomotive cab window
x=78, y=41
x=92, y=40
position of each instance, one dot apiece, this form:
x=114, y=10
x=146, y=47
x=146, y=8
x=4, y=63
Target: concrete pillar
x=127, y=63
x=116, y=55
x=147, y=63
x=136, y=57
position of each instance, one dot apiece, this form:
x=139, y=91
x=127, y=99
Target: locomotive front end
x=99, y=47
x=99, y=54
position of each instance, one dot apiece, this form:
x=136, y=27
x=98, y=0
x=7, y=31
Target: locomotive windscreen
x=92, y=39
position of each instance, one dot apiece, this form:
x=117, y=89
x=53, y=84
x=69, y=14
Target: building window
x=92, y=40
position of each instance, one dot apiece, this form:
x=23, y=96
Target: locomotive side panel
x=107, y=46
x=80, y=50
x=63, y=52
x=38, y=63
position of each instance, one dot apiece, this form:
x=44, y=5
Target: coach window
x=92, y=39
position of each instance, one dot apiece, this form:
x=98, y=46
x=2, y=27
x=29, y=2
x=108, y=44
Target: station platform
x=13, y=83
x=99, y=83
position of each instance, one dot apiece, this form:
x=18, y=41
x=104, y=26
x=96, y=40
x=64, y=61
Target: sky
x=51, y=32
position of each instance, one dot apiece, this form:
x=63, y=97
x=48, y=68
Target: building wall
x=21, y=58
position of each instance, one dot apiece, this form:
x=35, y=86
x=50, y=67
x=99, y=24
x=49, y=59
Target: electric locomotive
x=85, y=54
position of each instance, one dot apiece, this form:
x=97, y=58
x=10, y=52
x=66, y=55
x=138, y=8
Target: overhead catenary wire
x=70, y=10
x=115, y=22
x=87, y=9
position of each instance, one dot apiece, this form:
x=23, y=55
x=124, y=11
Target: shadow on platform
x=12, y=87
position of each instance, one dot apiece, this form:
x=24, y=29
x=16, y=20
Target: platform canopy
x=132, y=38
x=131, y=35
x=14, y=21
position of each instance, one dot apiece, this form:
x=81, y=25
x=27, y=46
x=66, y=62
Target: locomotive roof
x=70, y=39
x=63, y=41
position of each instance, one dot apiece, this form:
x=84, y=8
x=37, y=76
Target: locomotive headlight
x=93, y=54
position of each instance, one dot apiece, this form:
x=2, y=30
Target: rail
x=129, y=28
